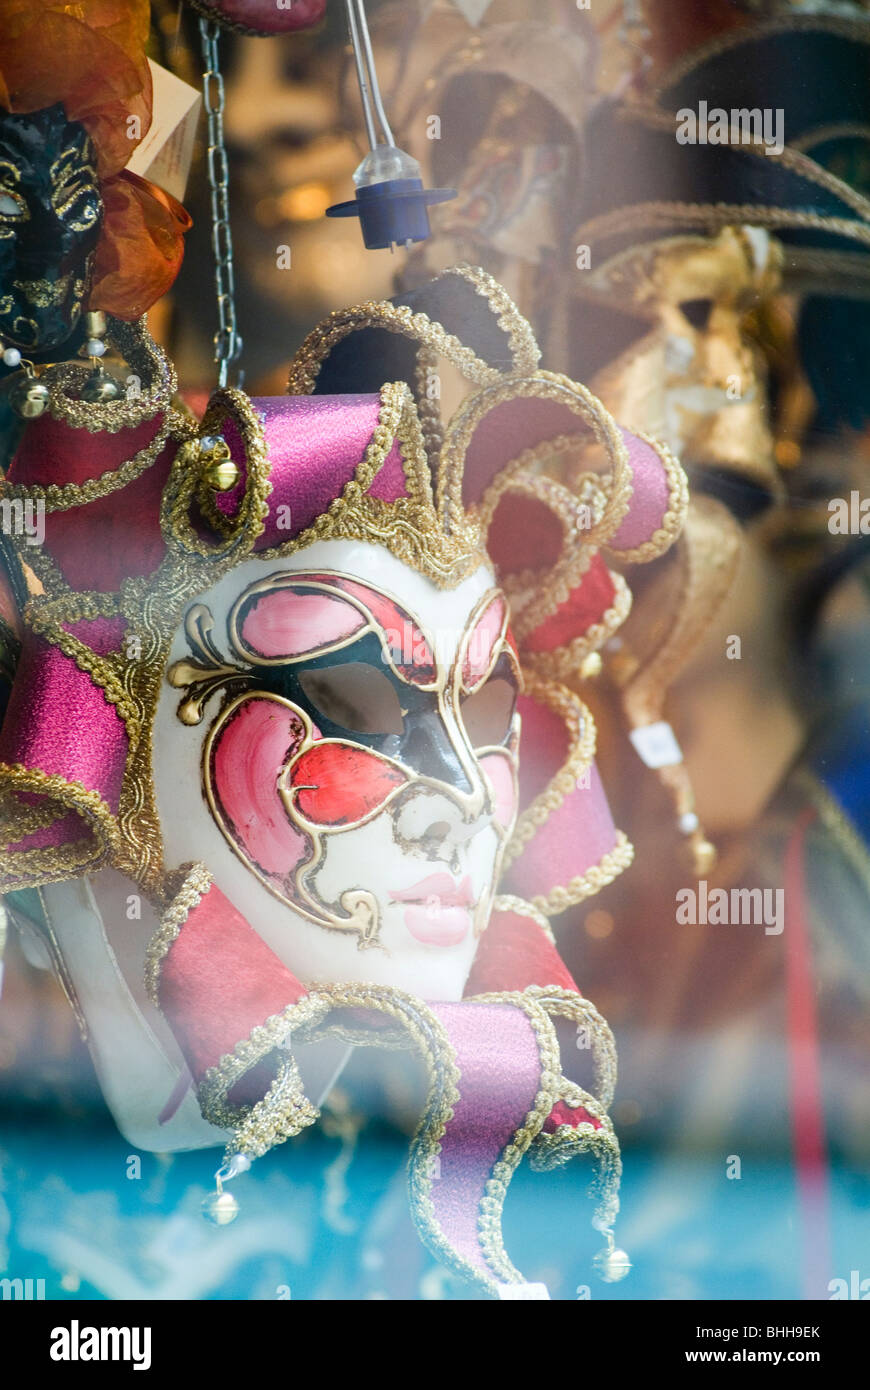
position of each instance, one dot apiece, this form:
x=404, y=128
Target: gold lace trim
x=284, y=1110
x=509, y=902
x=581, y=733
x=195, y=884
x=563, y=662
x=408, y=527
x=142, y=353
x=587, y=884
x=61, y=498
x=581, y=729
x=538, y=1003
x=238, y=533
x=106, y=672
x=546, y=386
x=671, y=523
x=319, y=343
x=56, y=862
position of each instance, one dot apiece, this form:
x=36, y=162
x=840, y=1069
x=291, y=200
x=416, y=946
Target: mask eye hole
x=487, y=714
x=698, y=312
x=355, y=696
x=12, y=207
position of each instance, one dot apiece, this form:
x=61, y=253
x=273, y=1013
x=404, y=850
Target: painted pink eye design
x=333, y=703
x=483, y=641
x=333, y=784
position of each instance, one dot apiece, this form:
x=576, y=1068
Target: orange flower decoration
x=90, y=56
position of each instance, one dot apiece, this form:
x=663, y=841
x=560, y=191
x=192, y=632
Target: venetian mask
x=279, y=697
x=345, y=760
x=50, y=216
x=695, y=377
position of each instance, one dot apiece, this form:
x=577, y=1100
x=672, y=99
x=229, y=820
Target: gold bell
x=29, y=397
x=222, y=475
x=100, y=388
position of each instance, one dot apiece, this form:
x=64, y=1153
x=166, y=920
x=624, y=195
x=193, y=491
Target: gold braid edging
x=18, y=821
x=581, y=731
x=562, y=662
x=675, y=515
x=408, y=527
x=108, y=417
x=63, y=498
x=284, y=1110
x=509, y=902
x=524, y=348
x=565, y=1003
x=307, y=362
x=492, y=1203
x=576, y=551
x=578, y=545
x=585, y=885
x=45, y=617
x=551, y=1151
x=58, y=862
x=428, y=405
x=541, y=386
x=194, y=885
x=183, y=485
x=570, y=1141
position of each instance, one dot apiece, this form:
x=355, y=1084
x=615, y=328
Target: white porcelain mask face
x=344, y=761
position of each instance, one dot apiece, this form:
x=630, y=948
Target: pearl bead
x=689, y=822
x=612, y=1265
x=95, y=347
x=220, y=1208
x=12, y=357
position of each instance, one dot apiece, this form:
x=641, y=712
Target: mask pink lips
x=437, y=912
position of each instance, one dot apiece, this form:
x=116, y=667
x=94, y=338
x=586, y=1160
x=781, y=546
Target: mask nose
x=428, y=749
x=435, y=824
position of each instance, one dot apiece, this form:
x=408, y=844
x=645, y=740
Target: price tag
x=164, y=155
x=656, y=745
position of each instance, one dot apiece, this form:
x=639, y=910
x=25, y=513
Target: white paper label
x=473, y=10
x=656, y=744
x=165, y=154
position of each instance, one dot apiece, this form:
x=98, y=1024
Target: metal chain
x=227, y=340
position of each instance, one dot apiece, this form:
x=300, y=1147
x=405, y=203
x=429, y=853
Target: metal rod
x=373, y=72
x=361, y=76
